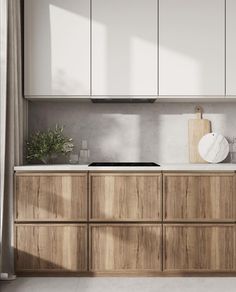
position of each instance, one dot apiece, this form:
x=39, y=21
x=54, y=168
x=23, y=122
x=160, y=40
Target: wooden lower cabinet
x=199, y=247
x=125, y=196
x=50, y=248
x=121, y=223
x=51, y=196
x=125, y=247
x=199, y=197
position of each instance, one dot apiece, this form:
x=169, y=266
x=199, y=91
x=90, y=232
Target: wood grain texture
x=199, y=197
x=199, y=247
x=58, y=197
x=125, y=247
x=54, y=247
x=125, y=197
x=197, y=128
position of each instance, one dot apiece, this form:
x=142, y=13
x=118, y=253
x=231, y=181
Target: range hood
x=120, y=99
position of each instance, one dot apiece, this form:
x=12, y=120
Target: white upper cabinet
x=57, y=47
x=124, y=47
x=191, y=52
x=231, y=47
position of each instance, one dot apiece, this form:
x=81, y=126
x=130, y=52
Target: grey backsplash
x=131, y=132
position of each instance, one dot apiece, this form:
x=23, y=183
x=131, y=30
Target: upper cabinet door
x=191, y=53
x=124, y=47
x=57, y=47
x=231, y=47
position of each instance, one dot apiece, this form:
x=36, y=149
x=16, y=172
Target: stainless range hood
x=120, y=99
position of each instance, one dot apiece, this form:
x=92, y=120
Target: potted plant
x=45, y=146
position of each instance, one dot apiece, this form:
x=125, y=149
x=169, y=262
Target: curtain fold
x=15, y=126
x=3, y=92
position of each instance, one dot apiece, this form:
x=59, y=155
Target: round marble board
x=213, y=148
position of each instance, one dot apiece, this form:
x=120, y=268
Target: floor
x=120, y=285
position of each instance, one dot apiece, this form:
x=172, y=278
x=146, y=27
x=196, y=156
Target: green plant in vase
x=45, y=146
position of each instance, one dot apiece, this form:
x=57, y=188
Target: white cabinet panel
x=191, y=53
x=57, y=47
x=231, y=47
x=124, y=47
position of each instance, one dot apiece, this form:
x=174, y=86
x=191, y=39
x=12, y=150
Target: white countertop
x=165, y=167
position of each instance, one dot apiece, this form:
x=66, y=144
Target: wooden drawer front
x=51, y=247
x=199, y=247
x=199, y=197
x=125, y=197
x=51, y=197
x=125, y=247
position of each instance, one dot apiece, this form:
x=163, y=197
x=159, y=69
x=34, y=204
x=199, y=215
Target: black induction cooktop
x=130, y=164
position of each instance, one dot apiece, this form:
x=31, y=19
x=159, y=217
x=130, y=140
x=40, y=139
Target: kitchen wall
x=136, y=132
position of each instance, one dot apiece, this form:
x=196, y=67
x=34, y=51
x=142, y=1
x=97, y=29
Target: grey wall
x=136, y=132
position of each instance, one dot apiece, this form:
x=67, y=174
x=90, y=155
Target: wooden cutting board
x=197, y=128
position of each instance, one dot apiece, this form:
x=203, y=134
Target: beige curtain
x=3, y=90
x=15, y=127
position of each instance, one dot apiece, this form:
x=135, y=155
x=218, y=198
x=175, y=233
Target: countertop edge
x=222, y=167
